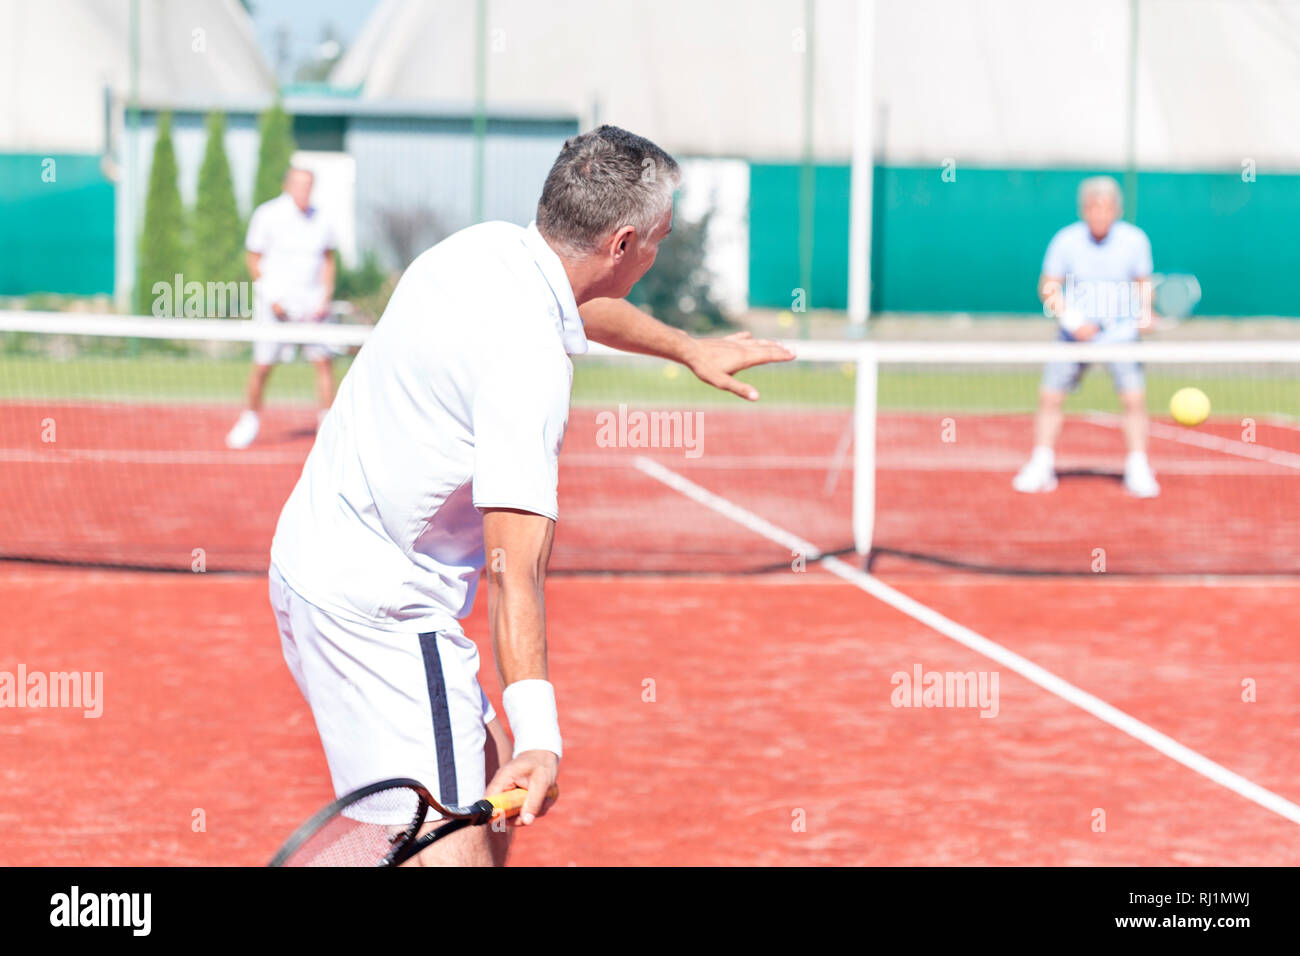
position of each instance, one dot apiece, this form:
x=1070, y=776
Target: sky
x=305, y=21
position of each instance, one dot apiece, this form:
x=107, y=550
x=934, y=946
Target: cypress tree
x=218, y=256
x=274, y=153
x=161, y=253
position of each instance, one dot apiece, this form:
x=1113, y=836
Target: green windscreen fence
x=774, y=235
x=56, y=230
x=975, y=242
x=1236, y=237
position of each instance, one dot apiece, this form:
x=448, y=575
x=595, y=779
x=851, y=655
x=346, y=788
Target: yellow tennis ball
x=785, y=320
x=1189, y=406
x=671, y=371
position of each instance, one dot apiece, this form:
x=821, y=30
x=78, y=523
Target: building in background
x=68, y=75
x=393, y=176
x=983, y=118
x=986, y=115
x=75, y=155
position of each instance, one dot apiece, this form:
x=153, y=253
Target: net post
x=864, y=449
x=862, y=169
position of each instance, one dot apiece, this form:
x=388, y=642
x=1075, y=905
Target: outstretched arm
x=621, y=325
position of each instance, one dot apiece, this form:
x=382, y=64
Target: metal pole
x=480, y=109
x=808, y=174
x=130, y=193
x=1131, y=173
x=864, y=450
x=862, y=170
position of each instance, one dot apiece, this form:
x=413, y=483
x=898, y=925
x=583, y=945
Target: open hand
x=716, y=361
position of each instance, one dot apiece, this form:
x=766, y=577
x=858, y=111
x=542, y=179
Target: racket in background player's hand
x=377, y=825
x=1174, y=297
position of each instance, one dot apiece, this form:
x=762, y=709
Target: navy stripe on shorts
x=448, y=792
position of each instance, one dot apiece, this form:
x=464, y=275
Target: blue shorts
x=1065, y=376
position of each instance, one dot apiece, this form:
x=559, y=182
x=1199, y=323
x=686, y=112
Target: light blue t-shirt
x=1100, y=277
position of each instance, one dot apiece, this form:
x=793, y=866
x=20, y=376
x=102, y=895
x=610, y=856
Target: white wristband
x=530, y=708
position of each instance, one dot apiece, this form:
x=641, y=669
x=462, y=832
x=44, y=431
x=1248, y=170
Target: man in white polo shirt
x=290, y=251
x=1096, y=283
x=440, y=457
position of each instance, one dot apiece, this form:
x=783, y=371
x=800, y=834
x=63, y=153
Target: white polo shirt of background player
x=292, y=244
x=458, y=402
x=1099, y=275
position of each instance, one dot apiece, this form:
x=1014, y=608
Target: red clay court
x=739, y=710
x=771, y=700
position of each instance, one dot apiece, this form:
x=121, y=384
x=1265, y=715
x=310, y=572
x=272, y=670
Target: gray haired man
x=1096, y=283
x=440, y=458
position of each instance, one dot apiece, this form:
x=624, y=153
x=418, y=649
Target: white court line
x=144, y=456
x=955, y=460
x=840, y=458
x=1187, y=436
x=981, y=645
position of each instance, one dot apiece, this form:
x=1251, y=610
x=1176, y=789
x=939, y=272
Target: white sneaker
x=245, y=430
x=1036, y=476
x=1139, y=479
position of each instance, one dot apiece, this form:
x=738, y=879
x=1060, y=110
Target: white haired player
x=1096, y=282
x=290, y=251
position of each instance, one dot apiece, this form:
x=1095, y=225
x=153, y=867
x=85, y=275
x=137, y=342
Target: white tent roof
x=57, y=57
x=979, y=81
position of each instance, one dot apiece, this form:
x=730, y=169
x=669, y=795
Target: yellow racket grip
x=512, y=801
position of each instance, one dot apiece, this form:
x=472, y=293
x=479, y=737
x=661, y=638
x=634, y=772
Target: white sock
x=248, y=414
x=1044, y=457
x=1136, y=459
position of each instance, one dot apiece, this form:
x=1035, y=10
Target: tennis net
x=112, y=444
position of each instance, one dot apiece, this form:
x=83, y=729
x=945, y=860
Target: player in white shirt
x=1096, y=282
x=440, y=458
x=290, y=251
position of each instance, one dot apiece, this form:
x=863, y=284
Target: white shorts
x=387, y=703
x=273, y=353
x=1064, y=377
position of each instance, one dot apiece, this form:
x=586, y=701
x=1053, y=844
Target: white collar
x=287, y=201
x=571, y=331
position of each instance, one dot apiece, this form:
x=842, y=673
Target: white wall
x=721, y=185
x=57, y=58
x=1026, y=82
x=334, y=193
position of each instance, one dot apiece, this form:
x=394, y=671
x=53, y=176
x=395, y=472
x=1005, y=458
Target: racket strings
x=362, y=833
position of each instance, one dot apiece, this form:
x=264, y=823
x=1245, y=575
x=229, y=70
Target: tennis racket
x=1174, y=299
x=377, y=825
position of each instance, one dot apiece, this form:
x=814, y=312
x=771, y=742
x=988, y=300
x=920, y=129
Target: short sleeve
x=520, y=411
x=258, y=237
x=329, y=239
x=1143, y=265
x=1056, y=262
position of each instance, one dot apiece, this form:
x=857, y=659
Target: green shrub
x=366, y=278
x=676, y=290
x=218, y=247
x=274, y=153
x=162, y=238
x=368, y=286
